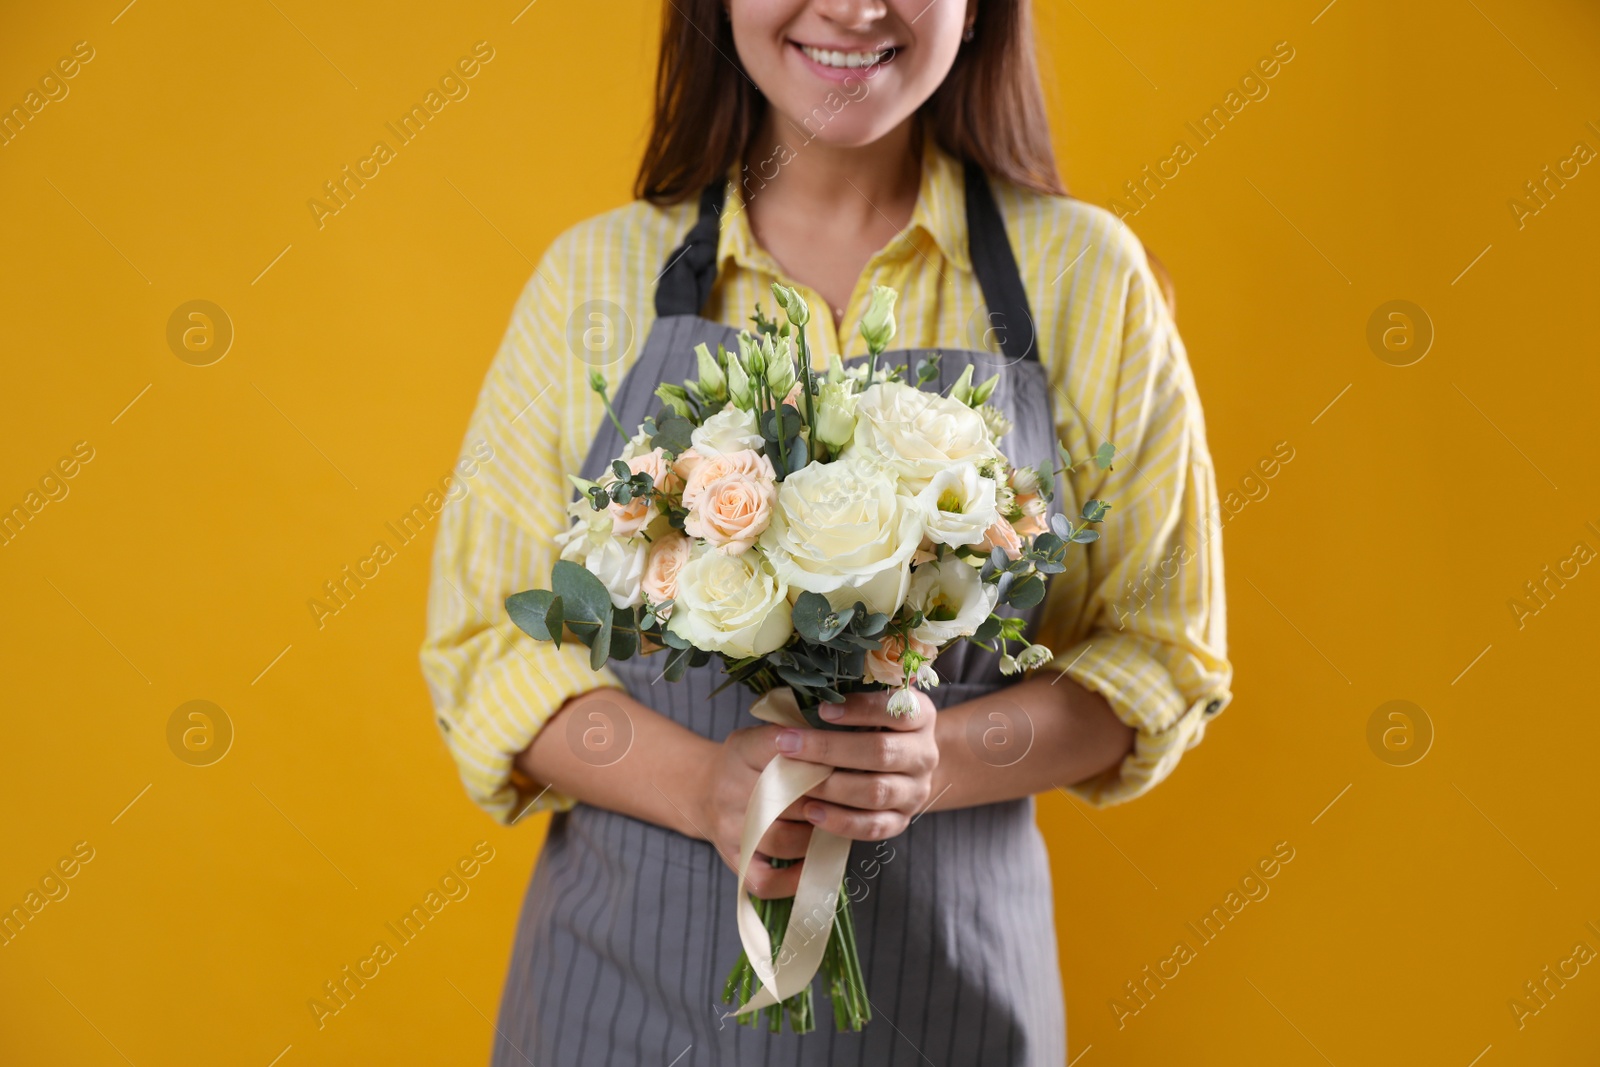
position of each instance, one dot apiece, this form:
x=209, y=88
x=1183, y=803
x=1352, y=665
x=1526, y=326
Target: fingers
x=786, y=839
x=882, y=751
x=870, y=792
x=854, y=823
x=767, y=882
x=871, y=709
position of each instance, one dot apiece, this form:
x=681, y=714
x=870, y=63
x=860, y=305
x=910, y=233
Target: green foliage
x=670, y=432
x=587, y=607
x=537, y=613
x=780, y=430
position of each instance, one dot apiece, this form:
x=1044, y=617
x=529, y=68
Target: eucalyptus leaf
x=1026, y=592
x=624, y=634
x=797, y=677
x=1083, y=537
x=531, y=611
x=677, y=662
x=809, y=614
x=671, y=433
x=1103, y=455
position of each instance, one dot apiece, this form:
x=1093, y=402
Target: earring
x=970, y=32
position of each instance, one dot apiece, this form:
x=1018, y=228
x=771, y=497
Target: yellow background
x=1379, y=566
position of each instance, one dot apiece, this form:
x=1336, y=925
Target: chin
x=842, y=129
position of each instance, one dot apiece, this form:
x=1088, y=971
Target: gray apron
x=628, y=930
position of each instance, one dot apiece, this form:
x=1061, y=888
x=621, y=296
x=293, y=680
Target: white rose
x=731, y=604
x=917, y=434
x=953, y=598
x=729, y=430
x=958, y=506
x=846, y=531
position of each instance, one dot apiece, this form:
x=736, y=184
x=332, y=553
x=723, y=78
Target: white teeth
x=848, y=60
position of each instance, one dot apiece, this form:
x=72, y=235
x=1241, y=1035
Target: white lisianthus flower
x=917, y=434
x=638, y=445
x=731, y=604
x=730, y=430
x=958, y=506
x=953, y=598
x=844, y=530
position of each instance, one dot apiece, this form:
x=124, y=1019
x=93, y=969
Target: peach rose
x=1002, y=535
x=667, y=557
x=686, y=462
x=883, y=663
x=628, y=519
x=730, y=500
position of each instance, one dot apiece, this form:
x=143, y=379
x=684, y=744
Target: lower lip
x=841, y=74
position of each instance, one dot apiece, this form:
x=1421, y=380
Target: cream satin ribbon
x=783, y=782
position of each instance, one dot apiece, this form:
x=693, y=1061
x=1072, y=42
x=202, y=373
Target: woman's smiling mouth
x=845, y=60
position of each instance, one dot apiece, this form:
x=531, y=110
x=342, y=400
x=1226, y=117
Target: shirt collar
x=940, y=214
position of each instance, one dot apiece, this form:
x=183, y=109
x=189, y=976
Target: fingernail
x=815, y=812
x=831, y=712
x=789, y=741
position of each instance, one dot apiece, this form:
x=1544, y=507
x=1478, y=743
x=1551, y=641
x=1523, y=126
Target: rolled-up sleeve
x=1151, y=633
x=493, y=687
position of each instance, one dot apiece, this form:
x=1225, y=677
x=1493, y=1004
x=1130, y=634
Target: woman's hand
x=884, y=775
x=883, y=778
x=728, y=784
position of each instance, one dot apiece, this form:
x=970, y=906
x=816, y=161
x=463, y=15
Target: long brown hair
x=990, y=107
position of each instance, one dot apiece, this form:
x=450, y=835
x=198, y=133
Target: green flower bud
x=836, y=414
x=674, y=396
x=712, y=380
x=962, y=390
x=877, y=325
x=739, y=382
x=780, y=366
x=789, y=299
x=984, y=390
x=835, y=368
x=751, y=355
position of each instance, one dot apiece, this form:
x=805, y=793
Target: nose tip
x=853, y=14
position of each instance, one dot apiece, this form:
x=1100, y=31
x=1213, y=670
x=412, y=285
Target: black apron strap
x=686, y=281
x=996, y=268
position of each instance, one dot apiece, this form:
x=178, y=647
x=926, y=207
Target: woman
x=830, y=145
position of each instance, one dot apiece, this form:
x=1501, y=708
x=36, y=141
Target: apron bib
x=628, y=931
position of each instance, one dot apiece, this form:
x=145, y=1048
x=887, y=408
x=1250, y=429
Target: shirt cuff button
x=1213, y=707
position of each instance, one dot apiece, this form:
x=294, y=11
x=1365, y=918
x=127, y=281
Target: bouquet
x=818, y=534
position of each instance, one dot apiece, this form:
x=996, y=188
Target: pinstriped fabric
x=1139, y=616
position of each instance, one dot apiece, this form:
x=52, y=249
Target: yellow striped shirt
x=1138, y=616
